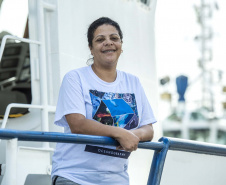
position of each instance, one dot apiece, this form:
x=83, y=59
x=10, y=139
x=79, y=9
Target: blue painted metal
x=182, y=83
x=196, y=147
x=180, y=145
x=69, y=138
x=158, y=163
x=161, y=148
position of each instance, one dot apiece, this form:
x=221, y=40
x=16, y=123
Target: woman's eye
x=100, y=40
x=115, y=38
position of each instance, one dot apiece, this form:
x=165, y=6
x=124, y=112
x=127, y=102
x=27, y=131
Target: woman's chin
x=111, y=62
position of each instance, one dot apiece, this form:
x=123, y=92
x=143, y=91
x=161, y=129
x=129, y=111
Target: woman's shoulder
x=128, y=76
x=76, y=72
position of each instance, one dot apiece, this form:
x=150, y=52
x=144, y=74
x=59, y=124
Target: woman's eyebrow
x=104, y=35
x=114, y=34
x=99, y=36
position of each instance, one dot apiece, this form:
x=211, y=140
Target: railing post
x=10, y=176
x=43, y=70
x=158, y=163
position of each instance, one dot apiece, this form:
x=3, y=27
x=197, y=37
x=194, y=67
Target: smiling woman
x=101, y=100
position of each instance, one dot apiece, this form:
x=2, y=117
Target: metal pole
x=158, y=163
x=10, y=177
x=43, y=71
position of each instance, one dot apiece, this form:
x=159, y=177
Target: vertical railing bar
x=43, y=71
x=3, y=46
x=11, y=162
x=158, y=162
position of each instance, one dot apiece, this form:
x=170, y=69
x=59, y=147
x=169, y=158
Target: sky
x=176, y=27
x=13, y=16
x=177, y=52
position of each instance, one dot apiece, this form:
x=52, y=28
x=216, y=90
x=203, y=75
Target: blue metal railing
x=161, y=148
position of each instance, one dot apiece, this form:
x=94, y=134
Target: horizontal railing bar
x=196, y=147
x=21, y=39
x=3, y=43
x=20, y=105
x=70, y=138
x=174, y=144
x=151, y=145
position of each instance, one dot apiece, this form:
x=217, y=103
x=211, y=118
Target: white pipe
x=49, y=64
x=10, y=176
x=15, y=38
x=43, y=72
x=11, y=105
x=37, y=149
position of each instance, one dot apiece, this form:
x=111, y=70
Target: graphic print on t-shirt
x=115, y=109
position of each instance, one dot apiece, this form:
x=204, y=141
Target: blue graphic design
x=115, y=109
x=121, y=121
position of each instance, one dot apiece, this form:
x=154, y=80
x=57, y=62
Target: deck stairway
x=15, y=80
x=29, y=165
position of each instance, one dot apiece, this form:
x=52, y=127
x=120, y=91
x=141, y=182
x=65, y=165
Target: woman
x=101, y=100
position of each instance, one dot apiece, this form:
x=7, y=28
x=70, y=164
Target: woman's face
x=107, y=46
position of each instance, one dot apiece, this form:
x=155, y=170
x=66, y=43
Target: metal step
x=37, y=179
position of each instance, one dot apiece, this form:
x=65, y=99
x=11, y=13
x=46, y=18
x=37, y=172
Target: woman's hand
x=80, y=125
x=128, y=141
x=144, y=133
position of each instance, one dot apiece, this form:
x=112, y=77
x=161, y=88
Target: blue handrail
x=69, y=138
x=161, y=148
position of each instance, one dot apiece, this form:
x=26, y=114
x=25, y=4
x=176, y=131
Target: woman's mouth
x=108, y=51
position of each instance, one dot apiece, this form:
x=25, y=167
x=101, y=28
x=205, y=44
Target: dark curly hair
x=99, y=22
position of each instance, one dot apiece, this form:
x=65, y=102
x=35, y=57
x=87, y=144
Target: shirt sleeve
x=70, y=100
x=147, y=115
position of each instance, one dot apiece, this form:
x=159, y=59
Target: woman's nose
x=108, y=42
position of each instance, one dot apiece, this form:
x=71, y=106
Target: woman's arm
x=144, y=133
x=80, y=125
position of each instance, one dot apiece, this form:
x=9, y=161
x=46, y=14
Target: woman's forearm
x=80, y=125
x=144, y=133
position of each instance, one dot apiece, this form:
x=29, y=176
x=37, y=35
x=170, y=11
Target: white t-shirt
x=121, y=103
